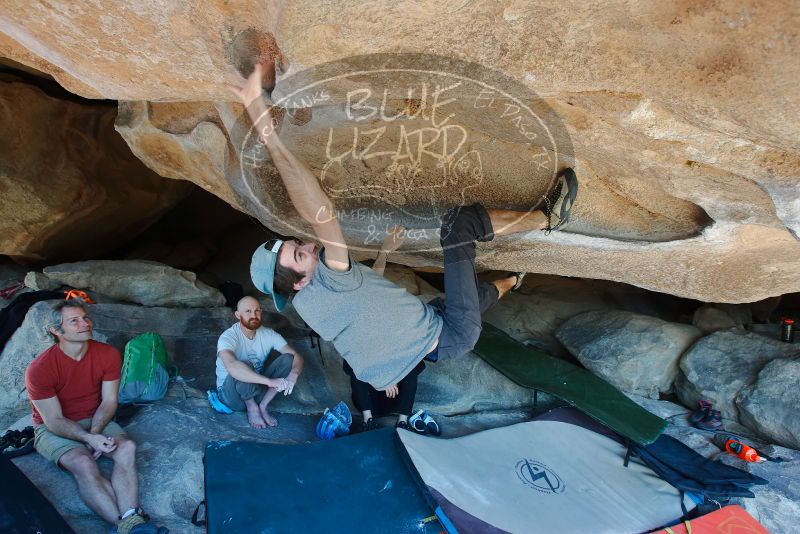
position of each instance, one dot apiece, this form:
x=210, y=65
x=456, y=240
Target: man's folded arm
x=243, y=372
x=108, y=406
x=54, y=420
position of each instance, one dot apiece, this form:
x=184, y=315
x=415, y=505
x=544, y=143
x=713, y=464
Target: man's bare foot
x=271, y=421
x=254, y=418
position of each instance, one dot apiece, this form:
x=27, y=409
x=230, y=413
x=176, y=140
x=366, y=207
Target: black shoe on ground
x=369, y=424
x=405, y=426
x=704, y=407
x=712, y=421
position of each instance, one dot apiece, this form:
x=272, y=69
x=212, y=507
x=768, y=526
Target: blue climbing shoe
x=216, y=403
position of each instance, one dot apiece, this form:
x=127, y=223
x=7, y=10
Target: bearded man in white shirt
x=246, y=380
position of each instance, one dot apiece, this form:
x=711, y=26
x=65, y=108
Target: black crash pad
x=357, y=483
x=23, y=508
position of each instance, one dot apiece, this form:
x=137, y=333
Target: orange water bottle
x=745, y=452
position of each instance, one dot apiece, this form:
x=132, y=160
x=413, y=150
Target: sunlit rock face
x=681, y=121
x=69, y=186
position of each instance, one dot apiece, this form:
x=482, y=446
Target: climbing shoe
x=368, y=425
x=520, y=276
x=17, y=442
x=701, y=412
x=423, y=423
x=712, y=421
x=216, y=403
x=138, y=523
x=557, y=204
x=405, y=426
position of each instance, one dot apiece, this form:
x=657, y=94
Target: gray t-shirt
x=381, y=329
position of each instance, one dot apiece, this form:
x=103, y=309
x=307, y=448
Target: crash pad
x=23, y=508
x=540, y=476
x=728, y=520
x=357, y=483
x=532, y=368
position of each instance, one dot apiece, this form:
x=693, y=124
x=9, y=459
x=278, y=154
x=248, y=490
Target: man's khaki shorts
x=53, y=446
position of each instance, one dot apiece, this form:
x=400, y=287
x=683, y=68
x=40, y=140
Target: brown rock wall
x=69, y=186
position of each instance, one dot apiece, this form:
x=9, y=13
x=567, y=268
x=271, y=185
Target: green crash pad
x=532, y=368
x=357, y=483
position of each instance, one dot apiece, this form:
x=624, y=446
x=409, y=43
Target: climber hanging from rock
x=380, y=329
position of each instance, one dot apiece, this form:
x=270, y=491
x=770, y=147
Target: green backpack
x=144, y=370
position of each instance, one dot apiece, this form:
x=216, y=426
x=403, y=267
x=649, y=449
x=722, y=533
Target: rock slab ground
x=636, y=353
x=771, y=405
x=719, y=365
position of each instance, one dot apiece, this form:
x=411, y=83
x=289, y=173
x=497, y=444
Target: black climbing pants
x=465, y=299
x=366, y=397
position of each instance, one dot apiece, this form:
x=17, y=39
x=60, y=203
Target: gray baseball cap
x=262, y=271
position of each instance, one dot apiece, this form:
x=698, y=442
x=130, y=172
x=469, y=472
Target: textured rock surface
x=719, y=365
x=777, y=504
x=71, y=189
x=543, y=302
x=40, y=282
x=771, y=405
x=636, y=353
x=684, y=129
x=140, y=282
x=712, y=317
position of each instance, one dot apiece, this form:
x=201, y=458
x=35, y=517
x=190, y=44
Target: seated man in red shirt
x=73, y=388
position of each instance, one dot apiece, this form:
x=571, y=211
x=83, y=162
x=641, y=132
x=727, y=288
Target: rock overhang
x=681, y=125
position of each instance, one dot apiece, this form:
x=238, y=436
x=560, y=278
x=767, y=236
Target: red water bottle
x=745, y=452
x=787, y=330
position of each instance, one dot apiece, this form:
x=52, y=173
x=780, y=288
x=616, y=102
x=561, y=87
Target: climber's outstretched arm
x=304, y=189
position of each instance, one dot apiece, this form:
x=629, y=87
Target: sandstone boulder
x=771, y=405
x=636, y=353
x=718, y=366
x=680, y=132
x=142, y=282
x=40, y=282
x=534, y=312
x=71, y=187
x=712, y=317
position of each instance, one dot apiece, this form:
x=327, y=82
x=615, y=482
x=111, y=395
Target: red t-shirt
x=78, y=385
